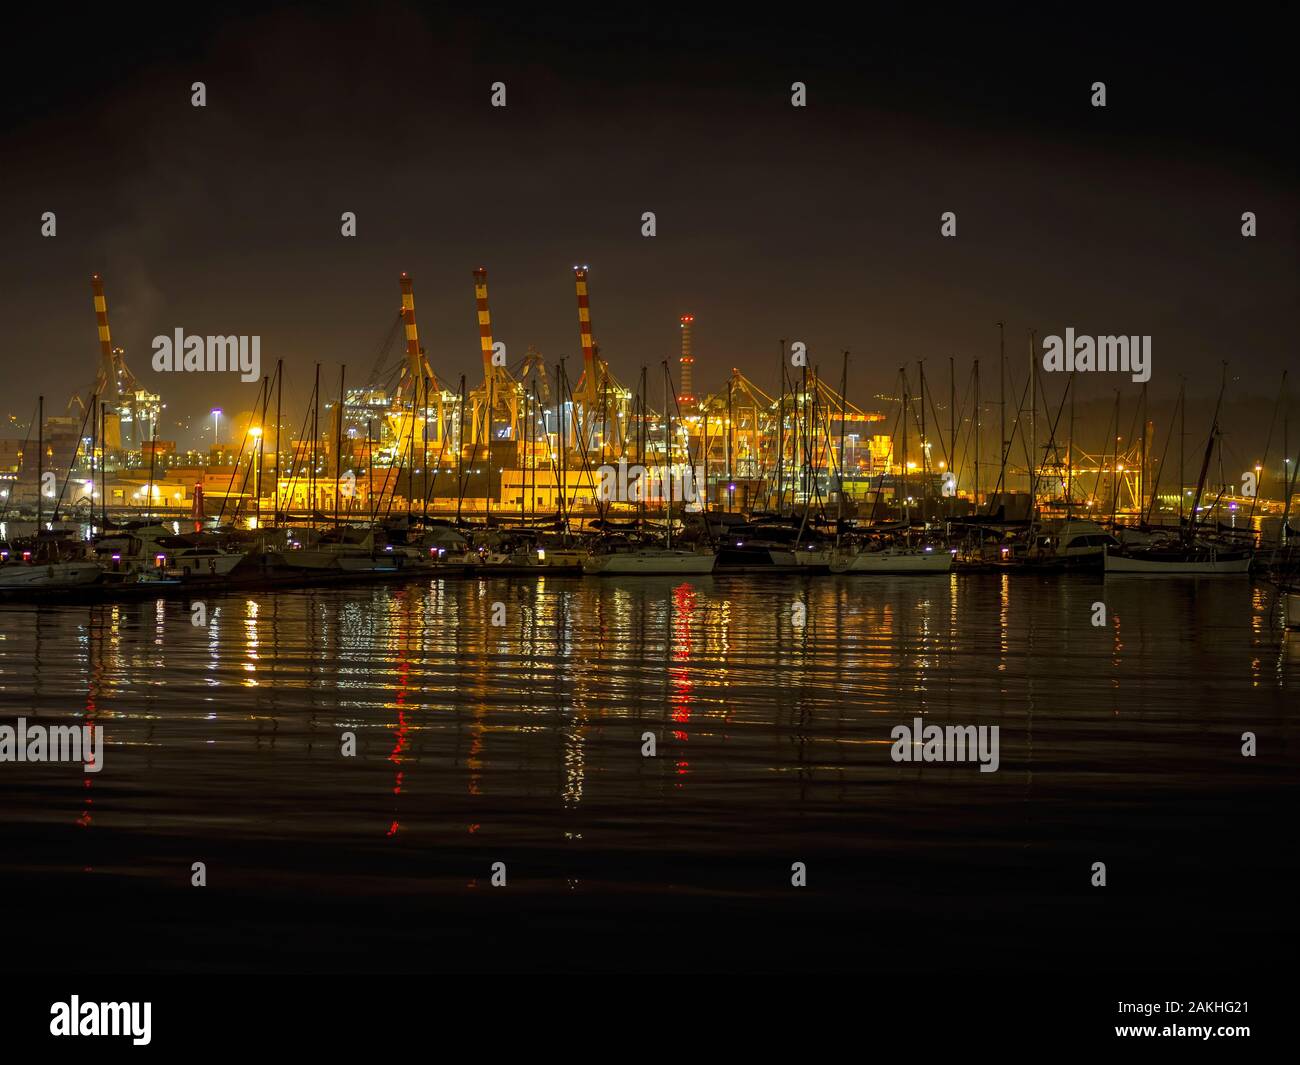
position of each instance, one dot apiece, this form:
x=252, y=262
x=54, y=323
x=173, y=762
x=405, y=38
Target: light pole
x=256, y=434
x=216, y=427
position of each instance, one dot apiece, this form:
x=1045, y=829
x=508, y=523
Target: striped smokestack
x=687, y=360
x=584, y=325
x=484, y=321
x=105, y=337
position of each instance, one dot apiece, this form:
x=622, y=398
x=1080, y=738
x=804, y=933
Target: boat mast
x=315, y=433
x=952, y=420
x=1142, y=470
x=1069, y=463
x=103, y=471
x=562, y=419
x=1004, y=446
x=1268, y=446
x=704, y=450
x=487, y=426
x=640, y=450
x=801, y=438
x=1033, y=426
x=1205, y=462
x=1114, y=468
x=259, y=446
x=522, y=469
x=424, y=458
x=977, y=433
x=460, y=451
x=907, y=514
x=153, y=452
x=730, y=432
x=94, y=471
x=780, y=430
x=844, y=412
x=925, y=465
x=1182, y=448
x=1287, y=479
x=338, y=446
x=279, y=396
x=668, y=459
x=40, y=459
x=809, y=476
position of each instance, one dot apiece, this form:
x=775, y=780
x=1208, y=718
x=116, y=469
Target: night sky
x=819, y=224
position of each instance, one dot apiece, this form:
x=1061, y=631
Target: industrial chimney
x=687, y=361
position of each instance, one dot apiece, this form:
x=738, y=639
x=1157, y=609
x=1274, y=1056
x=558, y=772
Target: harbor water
x=456, y=774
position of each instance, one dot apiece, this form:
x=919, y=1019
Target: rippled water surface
x=770, y=701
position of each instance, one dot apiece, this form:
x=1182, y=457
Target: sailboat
x=618, y=556
x=523, y=551
x=767, y=547
x=1187, y=556
x=627, y=559
x=893, y=555
x=346, y=550
x=892, y=559
x=1179, y=559
x=51, y=564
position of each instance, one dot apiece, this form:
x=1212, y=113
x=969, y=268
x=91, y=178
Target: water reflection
x=522, y=726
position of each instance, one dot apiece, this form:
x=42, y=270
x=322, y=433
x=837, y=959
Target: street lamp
x=256, y=434
x=216, y=426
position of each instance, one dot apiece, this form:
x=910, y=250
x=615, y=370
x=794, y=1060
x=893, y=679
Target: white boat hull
x=893, y=560
x=56, y=575
x=344, y=561
x=651, y=561
x=1293, y=610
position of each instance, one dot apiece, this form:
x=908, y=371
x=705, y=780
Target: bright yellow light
x=255, y=431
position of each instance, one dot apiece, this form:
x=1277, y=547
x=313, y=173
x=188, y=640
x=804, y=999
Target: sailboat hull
x=557, y=562
x=23, y=575
x=890, y=560
x=649, y=562
x=1212, y=566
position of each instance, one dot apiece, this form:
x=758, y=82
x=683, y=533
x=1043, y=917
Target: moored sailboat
x=648, y=560
x=892, y=559
x=1187, y=556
